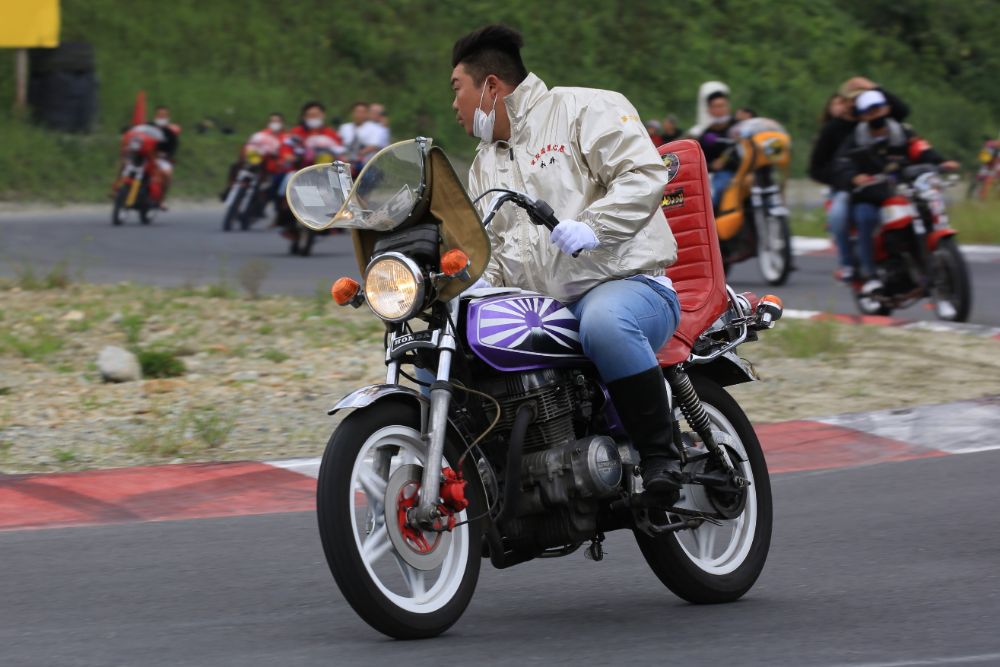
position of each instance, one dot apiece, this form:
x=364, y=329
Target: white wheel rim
x=408, y=588
x=722, y=549
x=770, y=251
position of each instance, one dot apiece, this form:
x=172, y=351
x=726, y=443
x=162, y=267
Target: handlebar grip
x=542, y=214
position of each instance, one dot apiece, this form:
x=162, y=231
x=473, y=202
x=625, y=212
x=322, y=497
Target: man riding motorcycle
x=878, y=146
x=587, y=154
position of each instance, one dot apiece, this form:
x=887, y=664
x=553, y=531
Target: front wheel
x=234, y=202
x=406, y=584
x=719, y=563
x=950, y=284
x=119, y=211
x=774, y=250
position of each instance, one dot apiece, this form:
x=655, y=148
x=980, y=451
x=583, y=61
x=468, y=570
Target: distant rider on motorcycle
x=878, y=146
x=587, y=154
x=714, y=122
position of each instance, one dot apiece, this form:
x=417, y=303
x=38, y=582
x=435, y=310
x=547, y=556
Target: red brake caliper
x=453, y=500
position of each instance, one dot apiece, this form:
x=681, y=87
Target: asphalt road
x=891, y=565
x=187, y=246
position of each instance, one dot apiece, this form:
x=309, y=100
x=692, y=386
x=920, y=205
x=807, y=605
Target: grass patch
x=64, y=455
x=160, y=363
x=132, y=326
x=277, y=356
x=976, y=221
x=212, y=428
x=809, y=222
x=803, y=339
x=36, y=348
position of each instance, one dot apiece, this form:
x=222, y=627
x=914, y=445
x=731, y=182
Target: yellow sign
x=29, y=23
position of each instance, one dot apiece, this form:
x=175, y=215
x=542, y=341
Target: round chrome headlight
x=394, y=287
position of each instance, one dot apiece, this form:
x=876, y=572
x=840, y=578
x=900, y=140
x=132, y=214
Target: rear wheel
x=950, y=285
x=719, y=563
x=774, y=250
x=405, y=584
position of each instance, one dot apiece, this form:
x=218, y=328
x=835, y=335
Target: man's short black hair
x=276, y=113
x=493, y=49
x=311, y=104
x=360, y=103
x=162, y=107
x=716, y=95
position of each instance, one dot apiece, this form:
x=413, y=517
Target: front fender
x=726, y=369
x=935, y=236
x=360, y=398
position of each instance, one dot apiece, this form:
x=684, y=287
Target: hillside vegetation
x=236, y=60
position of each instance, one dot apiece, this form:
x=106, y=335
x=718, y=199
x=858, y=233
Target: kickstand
x=595, y=551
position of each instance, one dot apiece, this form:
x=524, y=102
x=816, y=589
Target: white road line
x=957, y=660
x=963, y=427
x=978, y=253
x=308, y=467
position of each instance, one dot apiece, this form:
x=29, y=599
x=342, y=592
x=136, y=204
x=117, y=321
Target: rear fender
x=935, y=236
x=726, y=369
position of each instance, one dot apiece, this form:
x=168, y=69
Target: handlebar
x=538, y=210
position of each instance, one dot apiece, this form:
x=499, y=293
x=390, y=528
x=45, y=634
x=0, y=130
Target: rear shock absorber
x=694, y=413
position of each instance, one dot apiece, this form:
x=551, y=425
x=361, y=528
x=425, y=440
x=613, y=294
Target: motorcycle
x=246, y=199
x=136, y=187
x=755, y=195
x=513, y=450
x=315, y=150
x=916, y=253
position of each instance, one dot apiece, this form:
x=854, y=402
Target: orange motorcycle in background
x=752, y=219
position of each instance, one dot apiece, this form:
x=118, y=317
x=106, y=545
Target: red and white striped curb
x=815, y=246
x=194, y=491
x=967, y=328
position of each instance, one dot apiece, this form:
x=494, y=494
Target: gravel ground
x=260, y=374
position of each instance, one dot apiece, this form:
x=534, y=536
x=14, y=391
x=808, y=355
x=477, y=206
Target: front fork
x=436, y=428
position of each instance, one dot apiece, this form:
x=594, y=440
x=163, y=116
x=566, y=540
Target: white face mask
x=482, y=123
x=275, y=126
x=162, y=122
x=314, y=123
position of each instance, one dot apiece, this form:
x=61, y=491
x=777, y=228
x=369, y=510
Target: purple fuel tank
x=524, y=331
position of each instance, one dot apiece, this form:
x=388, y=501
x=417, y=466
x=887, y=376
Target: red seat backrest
x=698, y=274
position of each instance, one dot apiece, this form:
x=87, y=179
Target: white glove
x=572, y=236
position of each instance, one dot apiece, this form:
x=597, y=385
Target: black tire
x=951, y=277
x=336, y=529
x=118, y=210
x=233, y=210
x=781, y=276
x=664, y=554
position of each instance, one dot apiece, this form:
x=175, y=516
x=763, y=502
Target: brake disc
x=422, y=550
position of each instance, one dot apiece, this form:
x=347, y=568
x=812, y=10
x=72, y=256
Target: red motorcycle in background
x=916, y=254
x=139, y=186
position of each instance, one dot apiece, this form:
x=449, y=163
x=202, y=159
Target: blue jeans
x=838, y=219
x=623, y=323
x=866, y=218
x=720, y=181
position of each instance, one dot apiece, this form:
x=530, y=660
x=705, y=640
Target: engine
x=562, y=476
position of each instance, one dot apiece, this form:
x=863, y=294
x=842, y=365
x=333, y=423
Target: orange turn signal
x=454, y=262
x=345, y=290
x=771, y=298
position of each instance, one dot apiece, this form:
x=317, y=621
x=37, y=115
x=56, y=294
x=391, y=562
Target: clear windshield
x=387, y=189
x=383, y=196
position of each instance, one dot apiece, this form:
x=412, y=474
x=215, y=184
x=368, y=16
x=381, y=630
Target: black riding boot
x=643, y=406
